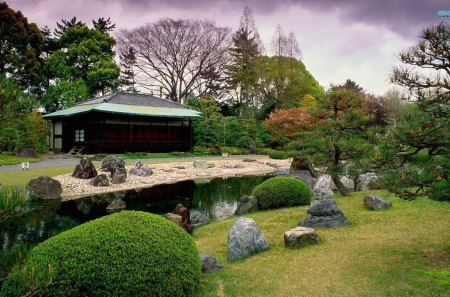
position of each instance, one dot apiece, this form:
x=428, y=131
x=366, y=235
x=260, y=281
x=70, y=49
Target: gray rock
x=239, y=166
x=348, y=183
x=201, y=164
x=223, y=210
x=110, y=162
x=304, y=175
x=367, y=181
x=372, y=202
x=100, y=180
x=324, y=213
x=283, y=171
x=245, y=238
x=326, y=182
x=300, y=237
x=209, y=264
x=116, y=205
x=119, y=175
x=247, y=204
x=44, y=187
x=29, y=153
x=322, y=193
x=141, y=170
x=248, y=160
x=198, y=218
x=85, y=169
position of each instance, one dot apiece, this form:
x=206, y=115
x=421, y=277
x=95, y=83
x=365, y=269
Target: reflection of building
x=121, y=122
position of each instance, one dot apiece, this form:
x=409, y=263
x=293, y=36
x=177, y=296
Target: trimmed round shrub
x=282, y=191
x=130, y=253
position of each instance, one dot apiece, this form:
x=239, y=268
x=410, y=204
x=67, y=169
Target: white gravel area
x=170, y=173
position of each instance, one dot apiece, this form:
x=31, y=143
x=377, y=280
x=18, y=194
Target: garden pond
x=217, y=198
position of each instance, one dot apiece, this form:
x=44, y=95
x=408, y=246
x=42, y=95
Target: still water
x=217, y=198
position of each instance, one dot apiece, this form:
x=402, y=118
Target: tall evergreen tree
x=127, y=78
x=246, y=47
x=104, y=25
x=65, y=25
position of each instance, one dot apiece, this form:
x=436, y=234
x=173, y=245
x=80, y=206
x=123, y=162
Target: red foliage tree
x=288, y=122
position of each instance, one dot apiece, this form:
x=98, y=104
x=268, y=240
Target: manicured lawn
x=10, y=159
x=404, y=251
x=21, y=178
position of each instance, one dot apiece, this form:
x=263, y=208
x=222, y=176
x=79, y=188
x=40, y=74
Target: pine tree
x=127, y=78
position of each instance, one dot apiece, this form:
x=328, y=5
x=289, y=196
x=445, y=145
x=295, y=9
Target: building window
x=79, y=135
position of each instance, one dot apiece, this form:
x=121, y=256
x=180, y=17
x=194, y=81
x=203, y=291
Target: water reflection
x=217, y=198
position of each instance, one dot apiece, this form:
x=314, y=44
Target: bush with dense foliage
x=288, y=122
x=129, y=253
x=280, y=155
x=282, y=191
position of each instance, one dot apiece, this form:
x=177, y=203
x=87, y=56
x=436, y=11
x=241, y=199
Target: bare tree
x=292, y=47
x=279, y=42
x=183, y=57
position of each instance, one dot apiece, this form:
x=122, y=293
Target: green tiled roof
x=153, y=111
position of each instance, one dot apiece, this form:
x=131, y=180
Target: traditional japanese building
x=123, y=122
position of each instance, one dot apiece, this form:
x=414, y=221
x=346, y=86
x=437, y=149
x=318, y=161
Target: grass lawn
x=10, y=159
x=21, y=178
x=404, y=251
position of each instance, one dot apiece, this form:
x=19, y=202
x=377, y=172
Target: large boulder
x=201, y=164
x=372, y=202
x=347, y=183
x=44, y=187
x=110, y=162
x=100, y=180
x=305, y=176
x=29, y=153
x=140, y=169
x=209, y=264
x=301, y=163
x=245, y=238
x=198, y=218
x=85, y=169
x=324, y=213
x=246, y=205
x=368, y=181
x=118, y=175
x=300, y=237
x=116, y=205
x=325, y=181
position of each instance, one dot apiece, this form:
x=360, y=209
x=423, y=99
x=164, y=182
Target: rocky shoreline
x=167, y=173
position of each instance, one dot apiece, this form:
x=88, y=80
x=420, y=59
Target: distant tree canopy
x=21, y=45
x=185, y=57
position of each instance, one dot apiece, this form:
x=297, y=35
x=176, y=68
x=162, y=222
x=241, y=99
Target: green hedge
x=129, y=253
x=282, y=154
x=282, y=191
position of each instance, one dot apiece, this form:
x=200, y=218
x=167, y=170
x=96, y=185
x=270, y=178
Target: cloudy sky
x=340, y=39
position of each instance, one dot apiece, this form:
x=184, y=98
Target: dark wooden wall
x=110, y=133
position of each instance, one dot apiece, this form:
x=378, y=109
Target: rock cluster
x=181, y=216
x=100, y=180
x=140, y=169
x=29, y=153
x=324, y=213
x=85, y=169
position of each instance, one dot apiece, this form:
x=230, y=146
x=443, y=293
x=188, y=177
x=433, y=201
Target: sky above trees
x=356, y=39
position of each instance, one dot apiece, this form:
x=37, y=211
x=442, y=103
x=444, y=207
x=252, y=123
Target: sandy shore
x=171, y=173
